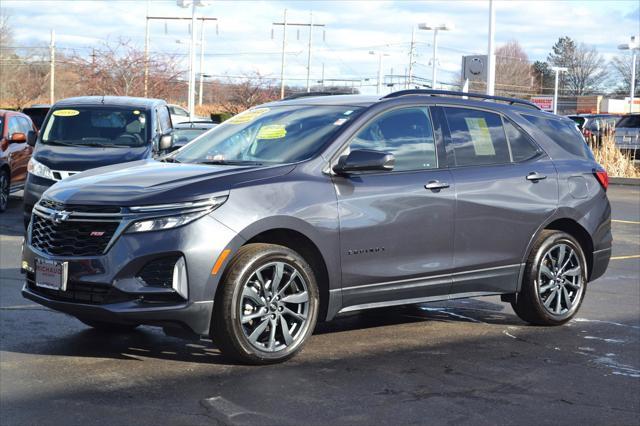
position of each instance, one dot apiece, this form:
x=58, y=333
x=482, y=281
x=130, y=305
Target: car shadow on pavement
x=10, y=225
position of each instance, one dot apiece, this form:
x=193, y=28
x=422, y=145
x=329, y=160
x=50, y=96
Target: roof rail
x=510, y=101
x=308, y=94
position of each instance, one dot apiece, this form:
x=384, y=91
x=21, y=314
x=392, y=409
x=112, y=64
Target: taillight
x=602, y=177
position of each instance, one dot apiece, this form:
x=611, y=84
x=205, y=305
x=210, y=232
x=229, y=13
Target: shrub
x=616, y=162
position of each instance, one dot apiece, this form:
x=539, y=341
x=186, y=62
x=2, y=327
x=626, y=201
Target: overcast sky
x=353, y=28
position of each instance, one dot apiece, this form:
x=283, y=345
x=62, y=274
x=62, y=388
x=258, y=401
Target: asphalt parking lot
x=461, y=362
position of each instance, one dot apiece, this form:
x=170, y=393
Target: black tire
x=529, y=305
x=227, y=330
x=109, y=327
x=5, y=181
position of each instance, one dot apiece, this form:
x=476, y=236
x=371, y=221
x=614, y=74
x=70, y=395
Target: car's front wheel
x=267, y=305
x=555, y=280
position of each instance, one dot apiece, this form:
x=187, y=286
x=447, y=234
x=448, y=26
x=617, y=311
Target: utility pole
x=413, y=36
x=322, y=79
x=286, y=24
x=201, y=63
x=146, y=53
x=52, y=71
x=192, y=60
x=284, y=46
x=491, y=54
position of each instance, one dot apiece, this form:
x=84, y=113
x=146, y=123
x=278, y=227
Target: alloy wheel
x=274, y=307
x=560, y=279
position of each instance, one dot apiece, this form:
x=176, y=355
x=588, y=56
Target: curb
x=624, y=181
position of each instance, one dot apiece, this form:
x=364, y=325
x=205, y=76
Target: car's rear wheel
x=4, y=190
x=109, y=326
x=267, y=305
x=555, y=280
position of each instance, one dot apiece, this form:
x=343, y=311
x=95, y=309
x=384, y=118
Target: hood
x=155, y=182
x=80, y=158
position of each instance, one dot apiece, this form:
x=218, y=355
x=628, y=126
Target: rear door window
x=563, y=133
x=478, y=137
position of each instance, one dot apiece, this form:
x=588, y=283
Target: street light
x=380, y=55
x=192, y=52
x=558, y=70
x=435, y=28
x=633, y=46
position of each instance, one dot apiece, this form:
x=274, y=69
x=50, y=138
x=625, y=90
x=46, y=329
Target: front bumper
x=123, y=298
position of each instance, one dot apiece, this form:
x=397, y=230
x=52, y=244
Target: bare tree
x=586, y=67
x=621, y=81
x=513, y=70
x=254, y=89
x=118, y=69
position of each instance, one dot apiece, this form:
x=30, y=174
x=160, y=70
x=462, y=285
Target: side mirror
x=31, y=138
x=365, y=160
x=166, y=142
x=18, y=137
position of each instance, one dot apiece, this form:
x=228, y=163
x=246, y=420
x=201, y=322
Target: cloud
x=244, y=41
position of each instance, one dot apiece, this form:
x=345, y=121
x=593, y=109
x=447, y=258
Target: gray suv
x=299, y=210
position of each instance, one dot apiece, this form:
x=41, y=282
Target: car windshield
x=629, y=121
x=97, y=127
x=275, y=135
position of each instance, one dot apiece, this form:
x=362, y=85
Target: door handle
x=435, y=185
x=535, y=176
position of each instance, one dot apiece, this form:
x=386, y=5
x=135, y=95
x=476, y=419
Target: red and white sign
x=544, y=102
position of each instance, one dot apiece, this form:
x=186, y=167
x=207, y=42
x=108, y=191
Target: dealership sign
x=544, y=102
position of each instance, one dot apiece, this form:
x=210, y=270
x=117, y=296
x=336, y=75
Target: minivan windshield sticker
x=480, y=136
x=340, y=121
x=247, y=116
x=272, y=131
x=66, y=112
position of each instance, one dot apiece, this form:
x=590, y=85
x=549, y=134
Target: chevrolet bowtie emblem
x=59, y=217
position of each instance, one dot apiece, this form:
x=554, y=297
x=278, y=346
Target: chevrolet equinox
x=299, y=210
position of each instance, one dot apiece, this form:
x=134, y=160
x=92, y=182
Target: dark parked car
x=93, y=131
x=37, y=113
x=185, y=132
x=593, y=126
x=300, y=210
x=16, y=129
x=627, y=135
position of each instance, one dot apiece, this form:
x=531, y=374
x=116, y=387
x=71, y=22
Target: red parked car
x=17, y=130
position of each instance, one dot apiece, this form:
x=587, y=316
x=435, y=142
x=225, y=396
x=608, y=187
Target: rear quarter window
x=563, y=133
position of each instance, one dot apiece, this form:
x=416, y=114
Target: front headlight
x=191, y=212
x=36, y=168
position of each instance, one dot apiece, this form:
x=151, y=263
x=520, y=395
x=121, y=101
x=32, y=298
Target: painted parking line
x=625, y=221
x=632, y=256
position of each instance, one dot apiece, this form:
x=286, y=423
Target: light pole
x=633, y=46
x=192, y=53
x=380, y=55
x=557, y=70
x=435, y=28
x=491, y=51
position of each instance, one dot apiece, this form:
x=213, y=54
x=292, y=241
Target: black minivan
x=86, y=132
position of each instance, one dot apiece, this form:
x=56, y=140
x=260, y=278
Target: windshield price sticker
x=66, y=112
x=247, y=116
x=272, y=131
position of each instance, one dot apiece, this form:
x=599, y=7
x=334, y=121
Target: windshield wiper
x=101, y=145
x=54, y=142
x=231, y=162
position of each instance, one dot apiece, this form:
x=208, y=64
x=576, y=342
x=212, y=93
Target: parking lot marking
x=625, y=221
x=633, y=256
